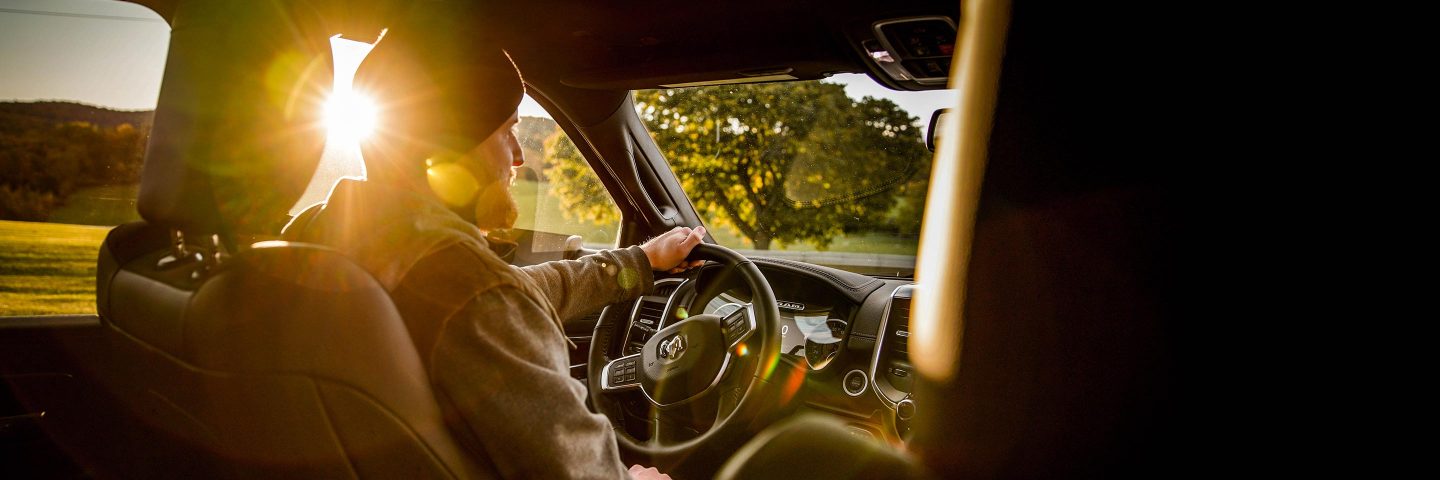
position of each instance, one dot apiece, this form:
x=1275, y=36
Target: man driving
x=439, y=171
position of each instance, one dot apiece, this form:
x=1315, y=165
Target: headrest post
x=217, y=252
x=177, y=243
x=179, y=254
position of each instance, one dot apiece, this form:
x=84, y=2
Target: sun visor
x=237, y=131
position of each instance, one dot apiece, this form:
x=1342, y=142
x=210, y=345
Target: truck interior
x=1037, y=334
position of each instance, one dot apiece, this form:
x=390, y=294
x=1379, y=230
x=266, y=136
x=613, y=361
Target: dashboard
x=809, y=332
x=845, y=334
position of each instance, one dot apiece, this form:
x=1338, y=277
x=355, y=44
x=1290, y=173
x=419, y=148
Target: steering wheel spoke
x=730, y=396
x=621, y=374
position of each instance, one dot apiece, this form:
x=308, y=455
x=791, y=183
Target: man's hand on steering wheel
x=667, y=252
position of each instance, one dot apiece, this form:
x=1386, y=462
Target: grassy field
x=104, y=205
x=48, y=268
x=542, y=212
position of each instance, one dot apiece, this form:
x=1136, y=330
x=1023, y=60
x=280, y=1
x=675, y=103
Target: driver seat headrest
x=237, y=131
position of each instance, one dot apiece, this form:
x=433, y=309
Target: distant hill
x=51, y=163
x=62, y=112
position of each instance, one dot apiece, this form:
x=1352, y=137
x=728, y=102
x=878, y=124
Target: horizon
x=80, y=103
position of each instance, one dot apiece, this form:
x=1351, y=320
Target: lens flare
x=452, y=183
x=350, y=116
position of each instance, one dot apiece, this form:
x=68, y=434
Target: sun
x=350, y=116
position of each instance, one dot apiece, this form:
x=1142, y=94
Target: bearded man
x=439, y=171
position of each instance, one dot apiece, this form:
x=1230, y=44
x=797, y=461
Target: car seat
x=231, y=358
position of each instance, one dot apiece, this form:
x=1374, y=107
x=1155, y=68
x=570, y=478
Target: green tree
x=777, y=162
x=573, y=182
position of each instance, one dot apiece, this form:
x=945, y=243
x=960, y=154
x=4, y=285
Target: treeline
x=50, y=150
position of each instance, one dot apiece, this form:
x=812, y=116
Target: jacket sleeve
x=502, y=368
x=580, y=286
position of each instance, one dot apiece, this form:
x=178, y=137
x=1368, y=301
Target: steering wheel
x=684, y=361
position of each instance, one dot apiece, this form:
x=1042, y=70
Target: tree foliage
x=779, y=162
x=45, y=160
x=573, y=182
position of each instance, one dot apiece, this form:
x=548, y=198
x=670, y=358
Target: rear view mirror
x=930, y=133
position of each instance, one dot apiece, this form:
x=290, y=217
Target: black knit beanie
x=439, y=86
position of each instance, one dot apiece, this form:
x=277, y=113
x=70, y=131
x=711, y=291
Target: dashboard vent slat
x=650, y=313
x=900, y=316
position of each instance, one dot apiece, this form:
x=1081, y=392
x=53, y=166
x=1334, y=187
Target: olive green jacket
x=491, y=334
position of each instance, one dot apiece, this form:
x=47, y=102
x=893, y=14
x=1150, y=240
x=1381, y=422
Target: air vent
x=650, y=313
x=900, y=316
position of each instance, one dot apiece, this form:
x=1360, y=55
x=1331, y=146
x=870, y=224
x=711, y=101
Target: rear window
x=77, y=93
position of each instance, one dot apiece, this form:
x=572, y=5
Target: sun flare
x=350, y=116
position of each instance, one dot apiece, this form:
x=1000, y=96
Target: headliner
x=641, y=44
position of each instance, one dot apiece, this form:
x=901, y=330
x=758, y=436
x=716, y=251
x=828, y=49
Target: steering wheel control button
x=738, y=325
x=905, y=409
x=623, y=372
x=855, y=382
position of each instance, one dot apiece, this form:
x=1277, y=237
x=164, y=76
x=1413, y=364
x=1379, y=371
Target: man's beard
x=494, y=208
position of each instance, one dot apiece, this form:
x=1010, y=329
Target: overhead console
x=911, y=53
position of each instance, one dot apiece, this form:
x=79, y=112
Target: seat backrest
x=1070, y=365
x=286, y=360
x=279, y=360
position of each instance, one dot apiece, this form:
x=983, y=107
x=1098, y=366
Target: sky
x=104, y=53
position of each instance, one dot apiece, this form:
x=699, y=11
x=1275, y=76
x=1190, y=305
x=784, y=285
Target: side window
x=557, y=192
x=78, y=86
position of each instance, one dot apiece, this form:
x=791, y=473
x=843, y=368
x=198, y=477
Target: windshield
x=831, y=172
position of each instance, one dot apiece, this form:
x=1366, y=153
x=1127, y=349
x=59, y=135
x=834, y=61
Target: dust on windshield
x=800, y=170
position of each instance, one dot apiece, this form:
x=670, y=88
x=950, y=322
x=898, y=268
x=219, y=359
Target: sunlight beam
x=350, y=116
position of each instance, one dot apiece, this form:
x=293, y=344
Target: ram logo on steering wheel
x=672, y=348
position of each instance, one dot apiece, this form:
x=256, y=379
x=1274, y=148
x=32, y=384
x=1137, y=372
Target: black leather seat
x=284, y=360
x=276, y=360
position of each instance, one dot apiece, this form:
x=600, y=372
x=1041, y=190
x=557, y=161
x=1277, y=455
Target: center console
x=892, y=376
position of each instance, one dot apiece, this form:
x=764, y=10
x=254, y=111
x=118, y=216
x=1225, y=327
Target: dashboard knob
x=905, y=409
